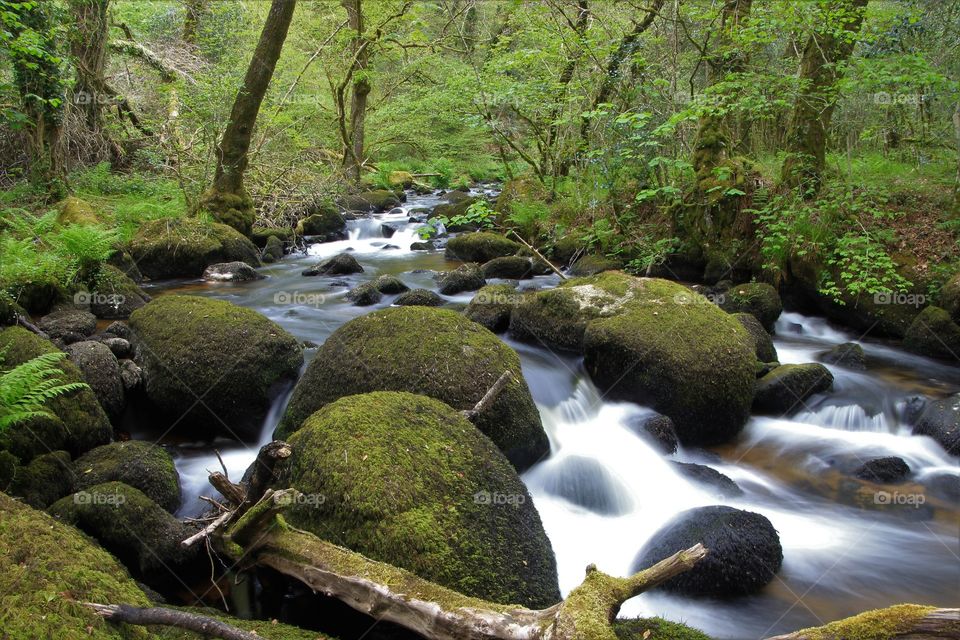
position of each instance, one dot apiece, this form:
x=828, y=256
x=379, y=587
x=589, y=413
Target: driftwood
x=900, y=622
x=206, y=626
x=538, y=254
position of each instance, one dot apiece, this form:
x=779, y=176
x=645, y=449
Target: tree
x=227, y=199
x=194, y=11
x=353, y=137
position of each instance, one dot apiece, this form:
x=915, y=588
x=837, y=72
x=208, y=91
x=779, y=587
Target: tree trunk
x=227, y=199
x=353, y=156
x=88, y=45
x=193, y=14
x=826, y=50
x=899, y=622
x=560, y=166
x=956, y=133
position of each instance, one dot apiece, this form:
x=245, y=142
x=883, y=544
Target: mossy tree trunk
x=353, y=134
x=194, y=11
x=556, y=160
x=826, y=51
x=228, y=199
x=88, y=46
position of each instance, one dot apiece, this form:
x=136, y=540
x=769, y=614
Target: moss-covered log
x=900, y=622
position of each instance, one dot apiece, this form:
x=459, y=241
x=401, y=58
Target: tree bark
x=826, y=50
x=194, y=11
x=88, y=46
x=353, y=156
x=560, y=166
x=228, y=199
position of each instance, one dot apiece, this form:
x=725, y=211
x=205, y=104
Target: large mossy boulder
x=590, y=265
x=434, y=352
x=101, y=371
x=376, y=200
x=481, y=246
x=785, y=389
x=672, y=350
x=141, y=465
x=73, y=210
x=184, y=247
x=407, y=480
x=466, y=277
x=230, y=357
x=758, y=299
x=419, y=298
x=47, y=569
x=327, y=223
x=941, y=421
x=79, y=423
x=744, y=551
x=45, y=480
x=934, y=334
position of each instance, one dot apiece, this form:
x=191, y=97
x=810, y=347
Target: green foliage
x=26, y=388
x=650, y=253
x=529, y=217
x=84, y=247
x=479, y=214
x=864, y=267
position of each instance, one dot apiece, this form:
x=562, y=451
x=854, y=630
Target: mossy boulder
x=493, y=305
x=134, y=528
x=511, y=267
x=389, y=285
x=744, y=551
x=230, y=356
x=79, y=423
x=234, y=210
x=434, y=352
x=40, y=561
x=950, y=297
x=338, y=265
x=272, y=250
x=402, y=179
x=523, y=189
x=480, y=246
x=466, y=277
x=73, y=210
x=115, y=295
x=589, y=265
x=455, y=207
x=376, y=200
x=672, y=350
x=261, y=235
x=328, y=223
x=101, y=371
x=933, y=333
x=68, y=323
x=45, y=480
x=655, y=629
x=419, y=298
x=231, y=272
x=407, y=480
x=763, y=345
x=184, y=247
x=941, y=421
x=759, y=299
x=364, y=295
x=141, y=465
x=785, y=389
x=849, y=355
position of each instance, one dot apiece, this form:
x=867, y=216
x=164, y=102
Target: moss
x=327, y=222
x=184, y=247
x=481, y=246
x=466, y=277
x=762, y=342
x=9, y=310
x=115, y=295
x=785, y=388
x=455, y=208
x=590, y=265
x=266, y=629
x=658, y=628
x=142, y=465
x=435, y=352
x=235, y=210
x=950, y=297
x=402, y=179
x=878, y=624
x=273, y=250
x=226, y=354
x=511, y=267
x=259, y=235
x=933, y=333
x=756, y=298
x=73, y=210
x=418, y=298
x=47, y=569
x=523, y=189
x=80, y=423
x=403, y=478
x=44, y=481
x=376, y=200
x=492, y=306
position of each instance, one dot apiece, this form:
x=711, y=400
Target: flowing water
x=847, y=545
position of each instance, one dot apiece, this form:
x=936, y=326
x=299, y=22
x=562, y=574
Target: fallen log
x=900, y=622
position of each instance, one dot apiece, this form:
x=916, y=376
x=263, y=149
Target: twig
x=538, y=254
x=489, y=397
x=204, y=625
x=207, y=530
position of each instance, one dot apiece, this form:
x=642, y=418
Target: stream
x=846, y=548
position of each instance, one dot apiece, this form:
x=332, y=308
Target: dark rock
x=934, y=334
x=756, y=298
x=586, y=483
x=889, y=469
x=492, y=306
x=467, y=277
x=102, y=372
x=950, y=297
x=389, y=285
x=119, y=329
x=848, y=355
x=115, y=295
x=327, y=224
x=785, y=389
x=419, y=298
x=68, y=319
x=371, y=201
x=656, y=429
x=231, y=272
x=261, y=235
x=273, y=251
x=142, y=465
x=421, y=246
x=387, y=231
x=762, y=342
x=941, y=421
x=481, y=247
x=364, y=295
x=709, y=477
x=338, y=265
x=509, y=267
x=590, y=265
x=44, y=481
x=130, y=374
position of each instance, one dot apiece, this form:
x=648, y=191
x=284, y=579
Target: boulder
x=785, y=389
x=402, y=179
x=589, y=265
x=67, y=320
x=45, y=480
x=466, y=277
x=950, y=297
x=125, y=263
x=339, y=265
x=327, y=224
x=72, y=210
x=848, y=355
x=762, y=342
x=118, y=346
x=79, y=422
x=184, y=247
x=419, y=298
x=118, y=329
x=407, y=480
x=261, y=235
x=886, y=470
x=656, y=429
x=231, y=357
x=272, y=250
x=587, y=483
x=756, y=298
x=493, y=305
x=934, y=334
x=10, y=311
x=375, y=201
x=364, y=295
x=708, y=478
x=655, y=629
x=422, y=246
x=456, y=207
x=231, y=272
x=481, y=246
x=745, y=551
x=115, y=295
x=673, y=351
x=130, y=374
x=141, y=465
x=434, y=352
x=389, y=285
x=102, y=372
x=510, y=267
x=941, y=421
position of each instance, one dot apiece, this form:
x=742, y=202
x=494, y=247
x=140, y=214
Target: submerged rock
x=338, y=265
x=184, y=247
x=467, y=277
x=231, y=272
x=480, y=246
x=407, y=480
x=709, y=477
x=587, y=483
x=785, y=389
x=141, y=465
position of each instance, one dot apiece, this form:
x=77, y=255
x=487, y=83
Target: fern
x=25, y=389
x=85, y=247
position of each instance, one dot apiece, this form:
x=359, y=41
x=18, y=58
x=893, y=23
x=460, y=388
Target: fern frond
x=28, y=387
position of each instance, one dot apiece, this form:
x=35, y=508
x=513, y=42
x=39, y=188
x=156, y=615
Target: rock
x=481, y=246
x=375, y=201
x=708, y=477
x=261, y=235
x=44, y=481
x=950, y=297
x=510, y=267
x=587, y=483
x=184, y=247
x=655, y=629
x=466, y=277
x=941, y=421
x=272, y=251
x=101, y=371
x=456, y=512
x=785, y=389
x=141, y=465
x=66, y=320
x=73, y=210
x=456, y=205
x=933, y=333
x=327, y=224
x=656, y=429
x=756, y=298
x=421, y=246
x=886, y=470
x=10, y=311
x=130, y=374
x=338, y=265
x=493, y=305
x=79, y=423
x=745, y=551
x=118, y=346
x=364, y=295
x=231, y=272
x=848, y=355
x=403, y=179
x=119, y=329
x=191, y=348
x=589, y=265
x=389, y=285
x=673, y=351
x=762, y=342
x=387, y=231
x=135, y=529
x=419, y=298
x=115, y=295
x=434, y=352
x=40, y=558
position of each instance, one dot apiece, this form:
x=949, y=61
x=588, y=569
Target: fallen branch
x=538, y=254
x=489, y=397
x=29, y=326
x=204, y=625
x=151, y=59
x=209, y=529
x=899, y=622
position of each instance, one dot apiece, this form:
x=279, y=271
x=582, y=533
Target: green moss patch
x=184, y=247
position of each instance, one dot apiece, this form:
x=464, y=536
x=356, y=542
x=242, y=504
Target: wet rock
x=710, y=478
x=589, y=265
x=272, y=251
x=941, y=421
x=762, y=342
x=509, y=267
x=745, y=551
x=387, y=230
x=130, y=374
x=338, y=265
x=327, y=225
x=231, y=272
x=756, y=298
x=848, y=355
x=184, y=247
x=467, y=277
x=889, y=469
x=934, y=334
x=586, y=483
x=67, y=320
x=102, y=372
x=389, y=285
x=44, y=481
x=493, y=305
x=656, y=429
x=421, y=246
x=141, y=465
x=481, y=246
x=364, y=295
x=786, y=388
x=419, y=298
